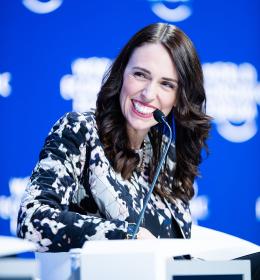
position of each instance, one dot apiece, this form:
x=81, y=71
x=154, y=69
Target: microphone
x=159, y=117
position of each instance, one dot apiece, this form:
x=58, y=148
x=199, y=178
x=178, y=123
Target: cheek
x=128, y=89
x=173, y=100
x=123, y=96
x=167, y=103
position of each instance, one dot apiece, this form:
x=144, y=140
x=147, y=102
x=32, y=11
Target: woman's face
x=150, y=82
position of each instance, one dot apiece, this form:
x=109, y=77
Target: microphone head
x=158, y=116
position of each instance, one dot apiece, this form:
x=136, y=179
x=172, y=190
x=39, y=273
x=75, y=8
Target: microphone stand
x=159, y=117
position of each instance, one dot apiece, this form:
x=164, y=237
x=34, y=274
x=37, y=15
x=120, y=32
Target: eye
x=169, y=85
x=140, y=75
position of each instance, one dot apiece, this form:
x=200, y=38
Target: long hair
x=192, y=123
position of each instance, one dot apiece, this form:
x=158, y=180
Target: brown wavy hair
x=192, y=123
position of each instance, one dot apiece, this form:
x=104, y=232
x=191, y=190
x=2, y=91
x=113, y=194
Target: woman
x=95, y=168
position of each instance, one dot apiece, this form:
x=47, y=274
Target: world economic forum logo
x=257, y=209
x=199, y=205
x=9, y=205
x=233, y=93
x=84, y=83
x=171, y=10
x=5, y=87
x=42, y=7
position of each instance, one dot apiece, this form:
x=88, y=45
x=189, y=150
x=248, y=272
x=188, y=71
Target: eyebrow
x=148, y=72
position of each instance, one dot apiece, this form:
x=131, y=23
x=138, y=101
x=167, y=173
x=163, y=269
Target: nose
x=148, y=92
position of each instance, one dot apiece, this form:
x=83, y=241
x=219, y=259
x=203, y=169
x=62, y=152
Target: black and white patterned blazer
x=74, y=194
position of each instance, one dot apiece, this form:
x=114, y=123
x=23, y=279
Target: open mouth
x=143, y=110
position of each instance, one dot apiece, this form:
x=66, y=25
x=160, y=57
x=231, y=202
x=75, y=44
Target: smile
x=143, y=110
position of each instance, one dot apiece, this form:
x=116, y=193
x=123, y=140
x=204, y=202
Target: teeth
x=142, y=109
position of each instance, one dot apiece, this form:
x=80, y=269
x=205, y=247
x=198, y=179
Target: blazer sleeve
x=44, y=216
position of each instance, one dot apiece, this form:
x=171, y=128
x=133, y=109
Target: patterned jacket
x=74, y=194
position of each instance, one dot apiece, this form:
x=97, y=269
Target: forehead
x=155, y=58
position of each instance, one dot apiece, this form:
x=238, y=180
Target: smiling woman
x=95, y=168
x=150, y=82
x=157, y=69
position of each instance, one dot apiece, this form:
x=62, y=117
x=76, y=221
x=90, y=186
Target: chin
x=141, y=125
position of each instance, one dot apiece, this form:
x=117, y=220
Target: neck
x=136, y=137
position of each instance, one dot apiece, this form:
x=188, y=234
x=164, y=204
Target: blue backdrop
x=52, y=57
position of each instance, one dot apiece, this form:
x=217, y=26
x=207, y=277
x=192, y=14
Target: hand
x=145, y=234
